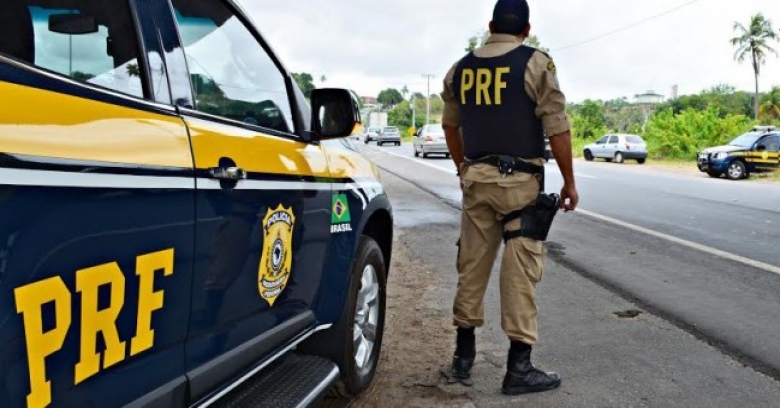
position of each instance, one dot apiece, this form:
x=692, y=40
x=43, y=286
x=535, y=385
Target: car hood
x=726, y=148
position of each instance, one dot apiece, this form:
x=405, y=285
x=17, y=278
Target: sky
x=369, y=45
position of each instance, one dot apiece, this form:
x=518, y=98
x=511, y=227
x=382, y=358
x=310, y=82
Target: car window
x=232, y=75
x=634, y=139
x=772, y=143
x=602, y=140
x=613, y=139
x=77, y=39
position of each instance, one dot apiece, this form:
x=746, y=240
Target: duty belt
x=508, y=164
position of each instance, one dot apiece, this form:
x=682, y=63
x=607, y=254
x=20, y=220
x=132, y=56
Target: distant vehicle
x=430, y=140
x=389, y=134
x=371, y=134
x=754, y=151
x=617, y=147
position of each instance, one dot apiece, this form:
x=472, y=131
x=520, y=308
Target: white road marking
x=699, y=247
x=683, y=242
x=415, y=160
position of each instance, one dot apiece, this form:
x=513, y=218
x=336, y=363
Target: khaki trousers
x=487, y=197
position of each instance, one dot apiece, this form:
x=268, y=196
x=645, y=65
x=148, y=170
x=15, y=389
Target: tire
x=338, y=343
x=416, y=153
x=640, y=161
x=588, y=155
x=736, y=170
x=619, y=157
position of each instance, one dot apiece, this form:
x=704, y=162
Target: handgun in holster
x=535, y=219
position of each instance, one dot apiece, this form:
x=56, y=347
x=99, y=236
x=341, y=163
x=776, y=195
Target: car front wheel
x=354, y=342
x=736, y=170
x=619, y=157
x=588, y=155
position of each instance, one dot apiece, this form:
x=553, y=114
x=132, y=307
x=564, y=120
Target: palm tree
x=133, y=70
x=770, y=104
x=753, y=41
x=404, y=91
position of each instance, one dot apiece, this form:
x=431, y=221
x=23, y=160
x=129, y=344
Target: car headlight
x=720, y=155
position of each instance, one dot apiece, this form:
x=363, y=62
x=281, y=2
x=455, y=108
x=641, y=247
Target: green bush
x=680, y=136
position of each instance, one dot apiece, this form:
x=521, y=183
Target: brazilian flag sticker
x=340, y=218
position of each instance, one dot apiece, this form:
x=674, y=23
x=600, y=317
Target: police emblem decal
x=341, y=219
x=765, y=155
x=276, y=261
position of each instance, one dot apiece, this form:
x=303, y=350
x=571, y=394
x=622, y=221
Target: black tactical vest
x=497, y=115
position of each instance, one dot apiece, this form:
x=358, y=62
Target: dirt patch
x=418, y=338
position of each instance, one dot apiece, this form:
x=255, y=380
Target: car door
x=97, y=196
x=263, y=197
x=769, y=156
x=599, y=147
x=611, y=147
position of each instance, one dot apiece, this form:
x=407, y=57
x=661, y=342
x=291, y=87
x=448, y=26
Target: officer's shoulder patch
x=551, y=66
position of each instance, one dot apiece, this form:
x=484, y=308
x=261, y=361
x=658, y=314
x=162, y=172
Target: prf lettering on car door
x=489, y=85
x=41, y=343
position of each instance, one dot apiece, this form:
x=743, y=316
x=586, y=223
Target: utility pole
x=414, y=111
x=428, y=99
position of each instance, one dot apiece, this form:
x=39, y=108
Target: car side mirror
x=72, y=24
x=335, y=113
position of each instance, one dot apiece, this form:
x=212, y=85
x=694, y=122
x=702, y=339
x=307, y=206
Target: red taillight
x=428, y=139
x=628, y=147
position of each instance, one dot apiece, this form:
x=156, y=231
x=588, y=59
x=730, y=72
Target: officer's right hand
x=569, y=198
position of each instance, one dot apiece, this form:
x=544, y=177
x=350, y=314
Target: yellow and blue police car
x=179, y=226
x=757, y=150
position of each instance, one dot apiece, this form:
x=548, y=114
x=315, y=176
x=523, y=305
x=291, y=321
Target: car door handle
x=227, y=173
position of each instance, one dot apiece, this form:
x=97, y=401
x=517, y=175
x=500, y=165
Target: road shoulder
x=606, y=360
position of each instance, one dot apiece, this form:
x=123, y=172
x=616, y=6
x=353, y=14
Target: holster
x=535, y=219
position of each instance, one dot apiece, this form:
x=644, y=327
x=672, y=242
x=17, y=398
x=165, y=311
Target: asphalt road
x=699, y=252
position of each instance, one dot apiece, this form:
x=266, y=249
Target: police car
x=176, y=227
x=754, y=151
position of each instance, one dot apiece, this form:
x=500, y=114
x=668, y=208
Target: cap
x=511, y=12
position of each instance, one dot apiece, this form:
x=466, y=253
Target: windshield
x=390, y=129
x=746, y=140
x=435, y=129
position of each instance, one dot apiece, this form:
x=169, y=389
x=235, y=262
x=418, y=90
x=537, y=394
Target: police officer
x=500, y=101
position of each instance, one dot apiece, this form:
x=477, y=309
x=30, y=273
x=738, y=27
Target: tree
x=753, y=41
x=477, y=41
x=390, y=97
x=133, y=70
x=418, y=95
x=533, y=41
x=305, y=82
x=81, y=76
x=770, y=105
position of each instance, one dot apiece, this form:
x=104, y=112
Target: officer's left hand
x=569, y=198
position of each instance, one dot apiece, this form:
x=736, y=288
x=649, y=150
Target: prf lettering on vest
x=31, y=299
x=489, y=85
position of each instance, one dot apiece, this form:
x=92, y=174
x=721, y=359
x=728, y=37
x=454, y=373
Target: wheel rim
x=366, y=318
x=619, y=158
x=735, y=171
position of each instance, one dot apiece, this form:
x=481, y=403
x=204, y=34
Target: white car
x=617, y=147
x=430, y=140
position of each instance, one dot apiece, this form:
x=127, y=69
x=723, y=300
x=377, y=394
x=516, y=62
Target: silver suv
x=389, y=134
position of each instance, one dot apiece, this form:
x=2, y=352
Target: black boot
x=465, y=351
x=522, y=377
